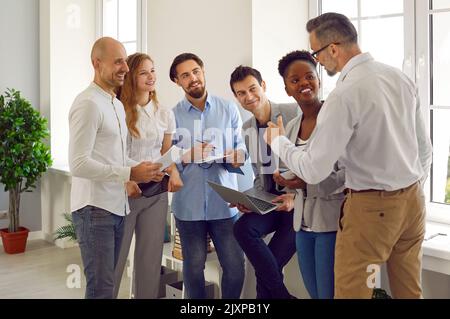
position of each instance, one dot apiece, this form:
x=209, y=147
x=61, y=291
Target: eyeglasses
x=315, y=53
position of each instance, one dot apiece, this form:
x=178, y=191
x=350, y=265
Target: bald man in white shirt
x=372, y=124
x=101, y=169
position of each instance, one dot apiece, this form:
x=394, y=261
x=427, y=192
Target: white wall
x=68, y=32
x=219, y=32
x=279, y=27
x=19, y=65
x=72, y=34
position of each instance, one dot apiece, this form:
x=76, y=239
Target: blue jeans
x=315, y=253
x=268, y=260
x=193, y=243
x=99, y=234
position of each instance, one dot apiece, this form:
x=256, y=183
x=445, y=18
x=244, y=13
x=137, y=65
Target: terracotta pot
x=14, y=243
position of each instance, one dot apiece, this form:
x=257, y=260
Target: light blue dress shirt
x=220, y=125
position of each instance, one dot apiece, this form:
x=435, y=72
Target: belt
x=349, y=190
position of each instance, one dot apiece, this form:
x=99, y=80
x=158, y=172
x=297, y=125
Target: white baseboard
x=61, y=243
x=32, y=235
x=35, y=235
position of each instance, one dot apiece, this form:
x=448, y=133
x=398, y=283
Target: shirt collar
x=188, y=105
x=148, y=109
x=101, y=91
x=354, y=62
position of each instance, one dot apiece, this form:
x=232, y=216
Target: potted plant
x=66, y=231
x=23, y=159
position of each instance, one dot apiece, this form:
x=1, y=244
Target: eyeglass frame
x=315, y=53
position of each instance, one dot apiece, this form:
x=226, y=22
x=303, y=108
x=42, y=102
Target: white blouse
x=153, y=123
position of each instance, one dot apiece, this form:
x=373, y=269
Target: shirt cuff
x=246, y=155
x=126, y=174
x=180, y=167
x=278, y=143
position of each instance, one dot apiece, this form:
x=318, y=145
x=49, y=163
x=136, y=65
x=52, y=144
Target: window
x=373, y=20
x=80, y=22
x=413, y=36
x=124, y=20
x=437, y=19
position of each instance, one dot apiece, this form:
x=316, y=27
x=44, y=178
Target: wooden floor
x=41, y=273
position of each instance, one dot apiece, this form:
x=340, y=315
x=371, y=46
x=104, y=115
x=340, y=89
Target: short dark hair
x=180, y=59
x=241, y=72
x=333, y=27
x=293, y=56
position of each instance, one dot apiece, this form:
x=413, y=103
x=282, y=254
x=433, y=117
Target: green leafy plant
x=23, y=155
x=66, y=231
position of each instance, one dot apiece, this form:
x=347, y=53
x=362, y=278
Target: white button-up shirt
x=153, y=123
x=372, y=123
x=97, y=152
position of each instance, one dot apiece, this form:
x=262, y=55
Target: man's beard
x=114, y=81
x=331, y=72
x=197, y=93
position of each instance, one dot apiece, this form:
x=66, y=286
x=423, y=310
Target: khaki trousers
x=380, y=227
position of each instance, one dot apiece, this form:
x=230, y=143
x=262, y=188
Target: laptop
x=257, y=201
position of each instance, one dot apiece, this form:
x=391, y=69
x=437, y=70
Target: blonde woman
x=150, y=129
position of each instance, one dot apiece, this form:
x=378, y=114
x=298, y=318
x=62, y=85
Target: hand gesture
x=236, y=158
x=197, y=153
x=175, y=182
x=295, y=183
x=146, y=172
x=274, y=130
x=286, y=202
x=133, y=189
x=241, y=208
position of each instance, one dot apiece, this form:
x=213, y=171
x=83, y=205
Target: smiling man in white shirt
x=372, y=124
x=100, y=168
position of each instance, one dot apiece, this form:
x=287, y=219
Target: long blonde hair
x=127, y=93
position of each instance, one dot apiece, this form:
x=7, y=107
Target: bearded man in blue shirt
x=206, y=125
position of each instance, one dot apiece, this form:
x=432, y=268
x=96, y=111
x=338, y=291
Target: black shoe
x=380, y=294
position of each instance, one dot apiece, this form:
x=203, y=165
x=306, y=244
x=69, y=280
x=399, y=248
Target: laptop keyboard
x=261, y=204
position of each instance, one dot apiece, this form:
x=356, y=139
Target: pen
x=435, y=235
x=200, y=141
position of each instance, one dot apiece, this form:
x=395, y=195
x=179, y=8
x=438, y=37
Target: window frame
x=141, y=36
x=438, y=212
